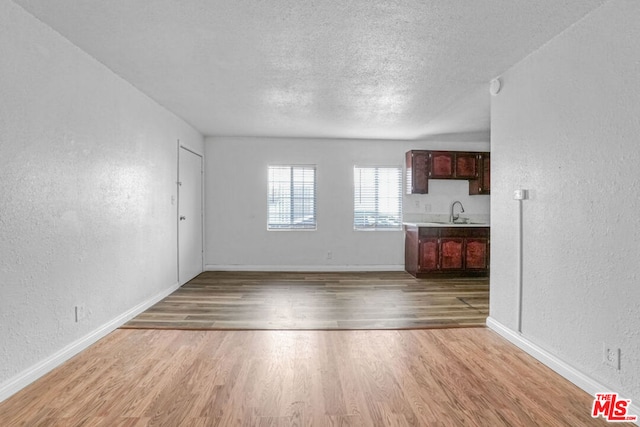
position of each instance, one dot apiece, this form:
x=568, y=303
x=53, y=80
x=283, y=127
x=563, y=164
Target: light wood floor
x=436, y=377
x=378, y=300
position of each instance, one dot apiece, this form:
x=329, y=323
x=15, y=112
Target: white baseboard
x=303, y=268
x=578, y=378
x=26, y=377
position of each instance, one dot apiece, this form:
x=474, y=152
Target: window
x=292, y=198
x=377, y=198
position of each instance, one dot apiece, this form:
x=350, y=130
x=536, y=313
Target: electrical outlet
x=427, y=207
x=611, y=356
x=329, y=255
x=79, y=312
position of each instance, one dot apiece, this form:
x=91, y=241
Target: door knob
x=182, y=218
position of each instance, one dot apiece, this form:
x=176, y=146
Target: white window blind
x=377, y=198
x=292, y=198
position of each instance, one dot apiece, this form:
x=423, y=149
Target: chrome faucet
x=453, y=218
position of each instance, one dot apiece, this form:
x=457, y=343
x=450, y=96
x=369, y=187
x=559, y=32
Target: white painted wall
x=566, y=126
x=236, y=203
x=88, y=169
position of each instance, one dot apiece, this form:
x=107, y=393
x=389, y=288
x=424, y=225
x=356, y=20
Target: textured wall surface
x=236, y=202
x=565, y=126
x=87, y=174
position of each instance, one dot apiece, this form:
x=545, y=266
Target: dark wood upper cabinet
x=417, y=165
x=453, y=165
x=482, y=185
x=442, y=164
x=466, y=165
x=423, y=165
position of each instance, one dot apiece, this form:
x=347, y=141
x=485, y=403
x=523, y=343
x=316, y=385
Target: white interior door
x=190, y=241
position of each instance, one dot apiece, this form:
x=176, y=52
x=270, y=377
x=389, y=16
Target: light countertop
x=445, y=224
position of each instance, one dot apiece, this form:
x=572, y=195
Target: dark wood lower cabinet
x=477, y=253
x=429, y=253
x=452, y=249
x=447, y=251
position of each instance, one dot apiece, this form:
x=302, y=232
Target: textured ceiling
x=314, y=68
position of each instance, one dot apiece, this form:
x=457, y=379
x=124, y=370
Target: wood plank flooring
x=303, y=301
x=434, y=377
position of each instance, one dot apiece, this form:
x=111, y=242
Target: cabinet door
x=482, y=184
x=442, y=164
x=417, y=165
x=476, y=253
x=466, y=166
x=411, y=246
x=486, y=173
x=428, y=254
x=451, y=253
